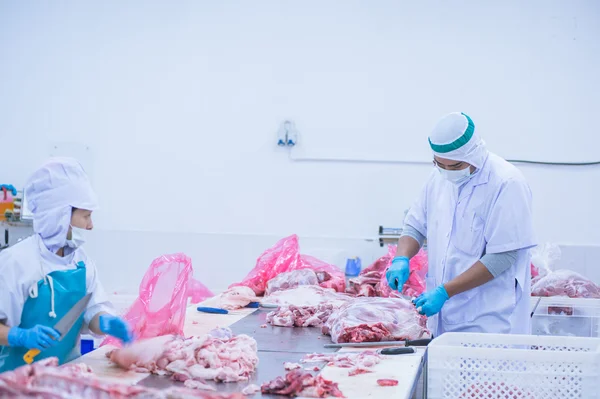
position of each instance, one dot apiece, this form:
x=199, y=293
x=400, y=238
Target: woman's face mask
x=77, y=237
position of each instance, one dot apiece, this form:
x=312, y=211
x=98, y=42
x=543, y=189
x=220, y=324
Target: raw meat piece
x=284, y=257
x=387, y=382
x=232, y=299
x=251, y=389
x=565, y=283
x=363, y=360
x=291, y=366
x=371, y=281
x=358, y=370
x=301, y=383
x=307, y=295
x=224, y=358
x=292, y=279
x=300, y=316
x=45, y=380
x=376, y=319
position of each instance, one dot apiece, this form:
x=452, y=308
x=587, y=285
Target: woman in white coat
x=475, y=211
x=43, y=276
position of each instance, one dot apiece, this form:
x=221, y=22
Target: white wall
x=179, y=104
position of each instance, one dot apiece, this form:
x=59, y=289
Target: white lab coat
x=26, y=263
x=489, y=214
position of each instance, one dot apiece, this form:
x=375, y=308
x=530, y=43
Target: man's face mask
x=457, y=177
x=77, y=237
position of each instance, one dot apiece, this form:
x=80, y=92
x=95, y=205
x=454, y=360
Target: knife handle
x=419, y=342
x=31, y=353
x=212, y=310
x=396, y=351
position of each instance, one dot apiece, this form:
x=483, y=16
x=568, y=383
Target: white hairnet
x=454, y=137
x=52, y=191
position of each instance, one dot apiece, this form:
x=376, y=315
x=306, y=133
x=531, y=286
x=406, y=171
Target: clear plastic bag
x=565, y=283
x=284, y=257
x=161, y=305
x=543, y=259
x=376, y=319
x=292, y=279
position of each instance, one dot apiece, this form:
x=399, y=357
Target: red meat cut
x=302, y=383
x=387, y=382
x=376, y=319
x=565, y=283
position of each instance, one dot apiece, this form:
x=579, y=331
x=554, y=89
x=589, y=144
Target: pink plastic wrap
x=374, y=320
x=284, y=257
x=164, y=292
x=372, y=281
x=565, y=283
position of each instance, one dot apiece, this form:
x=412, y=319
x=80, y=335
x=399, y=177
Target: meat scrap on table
x=357, y=362
x=217, y=356
x=45, y=379
x=291, y=366
x=307, y=295
x=387, y=382
x=300, y=316
x=302, y=383
x=376, y=319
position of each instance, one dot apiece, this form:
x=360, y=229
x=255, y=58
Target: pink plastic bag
x=415, y=285
x=162, y=302
x=285, y=256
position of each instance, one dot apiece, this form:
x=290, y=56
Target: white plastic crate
x=497, y=366
x=567, y=317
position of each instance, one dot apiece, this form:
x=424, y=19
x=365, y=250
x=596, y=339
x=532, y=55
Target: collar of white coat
x=480, y=177
x=49, y=257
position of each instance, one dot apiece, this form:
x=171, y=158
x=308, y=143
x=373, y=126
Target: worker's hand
x=38, y=337
x=115, y=327
x=397, y=274
x=431, y=302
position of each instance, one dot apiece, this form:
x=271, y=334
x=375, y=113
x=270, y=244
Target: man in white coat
x=475, y=212
x=43, y=276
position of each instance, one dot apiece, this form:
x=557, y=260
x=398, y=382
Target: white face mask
x=77, y=237
x=457, y=177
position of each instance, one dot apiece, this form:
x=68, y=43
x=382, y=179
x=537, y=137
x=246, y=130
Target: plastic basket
x=579, y=317
x=497, y=366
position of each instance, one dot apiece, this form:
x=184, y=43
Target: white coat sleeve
x=510, y=222
x=12, y=297
x=417, y=214
x=99, y=301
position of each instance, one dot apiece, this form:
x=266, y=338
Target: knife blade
x=64, y=325
x=416, y=342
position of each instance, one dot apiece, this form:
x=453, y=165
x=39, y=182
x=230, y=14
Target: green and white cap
x=454, y=137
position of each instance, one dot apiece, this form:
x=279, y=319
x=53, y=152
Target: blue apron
x=69, y=286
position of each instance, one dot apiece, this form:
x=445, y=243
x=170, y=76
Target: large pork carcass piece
x=45, y=380
x=302, y=383
x=307, y=295
x=565, y=283
x=218, y=357
x=300, y=316
x=376, y=319
x=292, y=279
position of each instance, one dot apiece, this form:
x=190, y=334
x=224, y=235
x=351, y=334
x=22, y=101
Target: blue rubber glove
x=397, y=274
x=38, y=337
x=431, y=302
x=115, y=327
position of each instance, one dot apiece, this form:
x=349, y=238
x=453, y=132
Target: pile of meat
x=282, y=267
x=302, y=383
x=217, y=356
x=376, y=319
x=307, y=295
x=371, y=282
x=300, y=316
x=44, y=379
x=565, y=283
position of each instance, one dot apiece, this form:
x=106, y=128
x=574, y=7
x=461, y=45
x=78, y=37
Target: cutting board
x=404, y=368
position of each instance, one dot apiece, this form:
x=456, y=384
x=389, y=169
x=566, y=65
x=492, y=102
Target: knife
x=395, y=351
x=64, y=325
x=415, y=342
x=208, y=309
